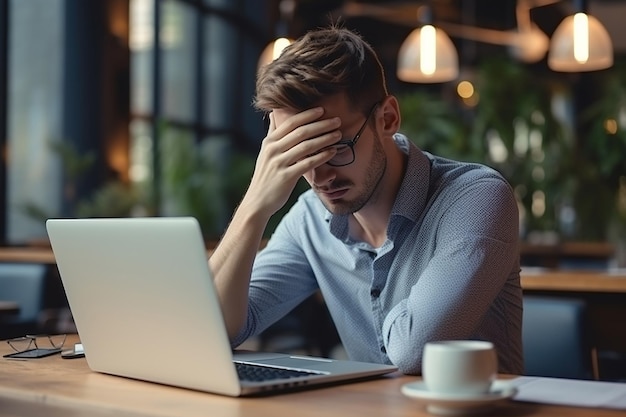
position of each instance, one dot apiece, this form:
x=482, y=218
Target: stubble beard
x=370, y=188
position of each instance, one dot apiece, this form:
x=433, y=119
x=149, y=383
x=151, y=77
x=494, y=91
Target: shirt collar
x=413, y=193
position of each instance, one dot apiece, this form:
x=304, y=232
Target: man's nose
x=323, y=175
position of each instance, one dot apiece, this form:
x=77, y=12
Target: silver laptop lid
x=139, y=314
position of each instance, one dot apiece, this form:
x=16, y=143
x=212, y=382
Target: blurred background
x=143, y=108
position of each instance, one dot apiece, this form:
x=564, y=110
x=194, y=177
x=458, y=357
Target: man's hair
x=322, y=63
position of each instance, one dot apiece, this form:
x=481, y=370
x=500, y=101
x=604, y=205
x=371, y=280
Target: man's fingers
x=300, y=135
x=298, y=120
x=313, y=161
x=272, y=126
x=312, y=132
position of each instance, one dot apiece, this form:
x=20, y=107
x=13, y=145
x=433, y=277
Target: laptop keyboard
x=257, y=373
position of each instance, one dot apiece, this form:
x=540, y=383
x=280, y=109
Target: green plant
x=205, y=180
x=514, y=129
x=114, y=199
x=603, y=151
x=434, y=125
x=515, y=113
x=191, y=184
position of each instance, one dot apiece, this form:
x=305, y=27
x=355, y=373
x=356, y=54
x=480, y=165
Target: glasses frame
x=31, y=340
x=351, y=142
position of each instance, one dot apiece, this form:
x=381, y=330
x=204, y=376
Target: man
x=406, y=247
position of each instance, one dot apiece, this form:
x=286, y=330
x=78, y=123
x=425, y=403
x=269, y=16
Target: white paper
x=578, y=393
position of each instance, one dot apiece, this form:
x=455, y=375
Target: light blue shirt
x=449, y=268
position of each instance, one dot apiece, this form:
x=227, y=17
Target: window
x=34, y=116
x=154, y=94
x=190, y=104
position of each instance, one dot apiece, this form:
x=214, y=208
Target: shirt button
x=383, y=350
x=375, y=292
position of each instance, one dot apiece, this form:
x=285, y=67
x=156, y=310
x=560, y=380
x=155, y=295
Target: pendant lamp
x=273, y=50
x=580, y=43
x=427, y=55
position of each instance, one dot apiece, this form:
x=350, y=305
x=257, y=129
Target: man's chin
x=338, y=207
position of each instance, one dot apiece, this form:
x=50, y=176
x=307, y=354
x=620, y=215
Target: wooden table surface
x=574, y=281
x=29, y=254
x=53, y=386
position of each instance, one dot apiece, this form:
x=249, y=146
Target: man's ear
x=390, y=109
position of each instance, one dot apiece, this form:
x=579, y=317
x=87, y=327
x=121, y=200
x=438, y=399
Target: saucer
x=459, y=404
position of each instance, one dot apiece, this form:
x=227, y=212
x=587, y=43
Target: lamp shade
x=580, y=43
x=427, y=55
x=273, y=51
x=530, y=45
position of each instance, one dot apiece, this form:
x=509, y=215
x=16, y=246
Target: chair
x=23, y=283
x=555, y=338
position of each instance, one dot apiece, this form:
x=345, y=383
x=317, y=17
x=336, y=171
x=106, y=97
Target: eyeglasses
x=345, y=148
x=51, y=342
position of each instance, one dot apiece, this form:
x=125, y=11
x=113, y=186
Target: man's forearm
x=231, y=264
x=302, y=143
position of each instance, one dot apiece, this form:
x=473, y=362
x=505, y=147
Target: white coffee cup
x=464, y=367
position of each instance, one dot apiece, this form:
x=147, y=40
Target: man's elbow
x=408, y=361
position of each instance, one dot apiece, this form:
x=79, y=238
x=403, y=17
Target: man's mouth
x=333, y=194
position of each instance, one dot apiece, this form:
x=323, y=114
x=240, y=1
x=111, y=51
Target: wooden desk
x=57, y=387
x=34, y=254
x=574, y=281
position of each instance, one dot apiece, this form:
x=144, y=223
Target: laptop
x=145, y=307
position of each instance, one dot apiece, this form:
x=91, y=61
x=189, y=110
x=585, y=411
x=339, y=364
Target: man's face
x=347, y=189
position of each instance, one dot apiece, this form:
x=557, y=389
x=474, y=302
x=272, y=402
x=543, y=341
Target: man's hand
x=300, y=143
